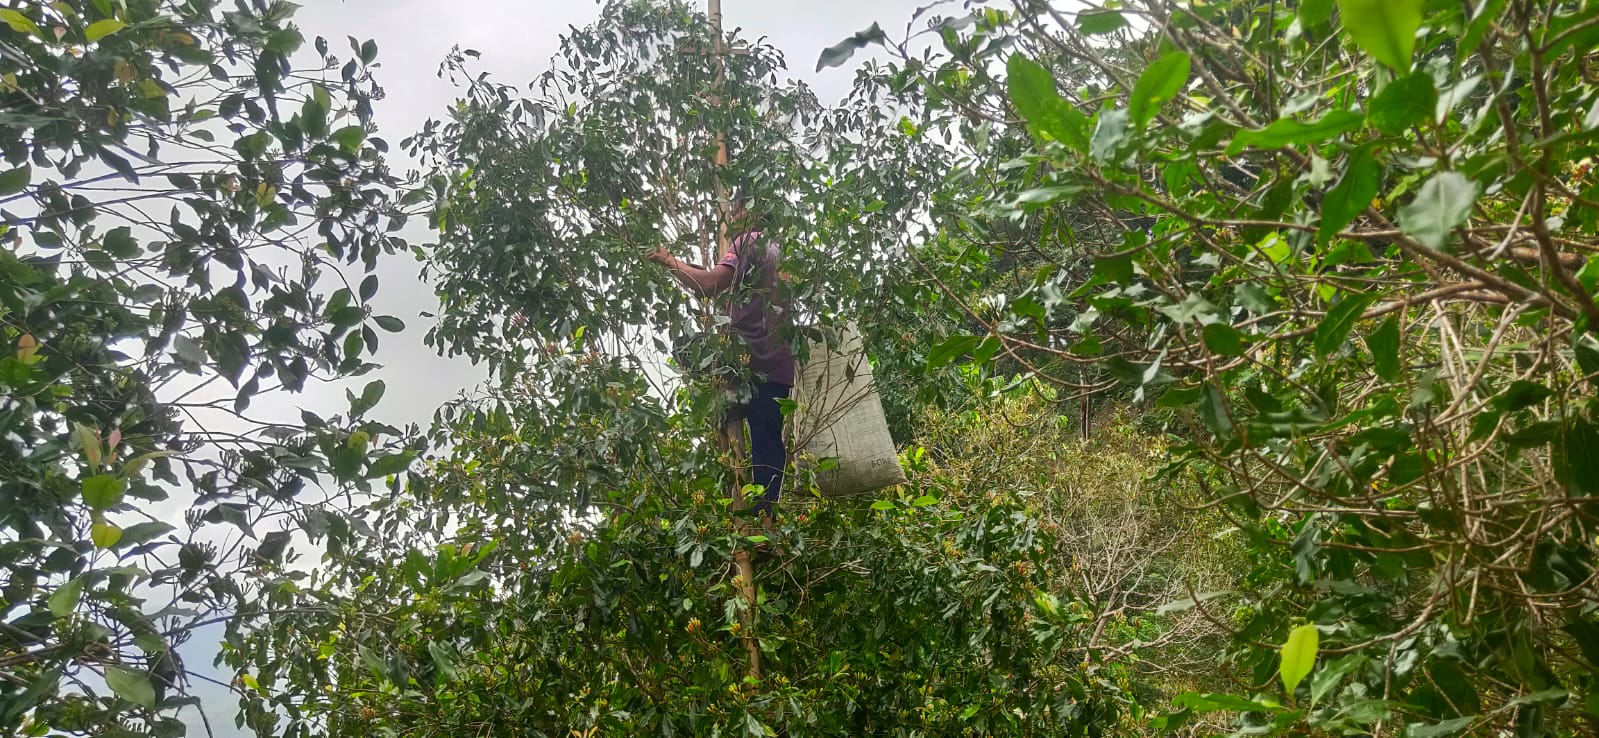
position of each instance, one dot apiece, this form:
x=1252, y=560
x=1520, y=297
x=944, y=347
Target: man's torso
x=756, y=313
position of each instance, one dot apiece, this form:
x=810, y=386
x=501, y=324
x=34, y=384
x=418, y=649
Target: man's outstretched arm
x=697, y=279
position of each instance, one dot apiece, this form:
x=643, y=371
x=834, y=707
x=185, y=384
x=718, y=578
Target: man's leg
x=767, y=455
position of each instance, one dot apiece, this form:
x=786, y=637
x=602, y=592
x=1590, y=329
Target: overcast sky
x=517, y=38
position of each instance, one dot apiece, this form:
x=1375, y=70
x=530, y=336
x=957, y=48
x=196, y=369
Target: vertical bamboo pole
x=713, y=11
x=731, y=437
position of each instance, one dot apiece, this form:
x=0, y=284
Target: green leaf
x=1116, y=269
x=350, y=138
x=1366, y=711
x=1340, y=320
x=1187, y=603
x=1110, y=132
x=89, y=441
x=1544, y=695
x=117, y=162
x=1537, y=434
x=1298, y=656
x=134, y=535
x=442, y=661
x=1097, y=22
x=1384, y=346
x=1442, y=204
x=103, y=491
x=313, y=120
x=105, y=534
x=1193, y=307
x=986, y=349
x=345, y=317
x=233, y=513
x=372, y=393
x=285, y=41
x=1032, y=90
x=1328, y=677
x=1290, y=132
x=1405, y=102
x=18, y=22
x=1439, y=730
x=1586, y=634
x=131, y=685
x=102, y=28
x=840, y=52
x=46, y=683
x=1213, y=412
x=883, y=505
x=1180, y=396
x=1451, y=98
x=1171, y=721
x=1159, y=83
x=1386, y=29
x=272, y=546
x=1218, y=702
x=1223, y=339
x=389, y=323
x=354, y=344
x=119, y=242
x=1520, y=395
x=1481, y=20
x=1567, y=30
x=1586, y=348
x=951, y=349
x=1576, y=458
x=15, y=180
x=188, y=349
x=753, y=726
x=14, y=372
x=1353, y=193
x=1041, y=196
x=1315, y=13
x=1588, y=276
x=65, y=599
x=1255, y=298
x=924, y=501
x=136, y=464
x=389, y=465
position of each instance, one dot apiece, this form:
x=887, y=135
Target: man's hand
x=661, y=256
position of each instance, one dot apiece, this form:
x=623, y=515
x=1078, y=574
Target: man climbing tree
x=749, y=271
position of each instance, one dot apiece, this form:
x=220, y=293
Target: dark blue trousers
x=768, y=458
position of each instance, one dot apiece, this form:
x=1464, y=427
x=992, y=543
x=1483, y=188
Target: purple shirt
x=754, y=312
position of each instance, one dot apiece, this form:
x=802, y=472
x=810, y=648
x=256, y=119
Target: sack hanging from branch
x=839, y=416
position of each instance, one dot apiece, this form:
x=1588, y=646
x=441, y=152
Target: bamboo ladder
x=730, y=435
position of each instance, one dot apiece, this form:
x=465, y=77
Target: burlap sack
x=839, y=416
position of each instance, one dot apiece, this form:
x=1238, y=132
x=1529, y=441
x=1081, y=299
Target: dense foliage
x=1243, y=355
x=1350, y=242
x=177, y=194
